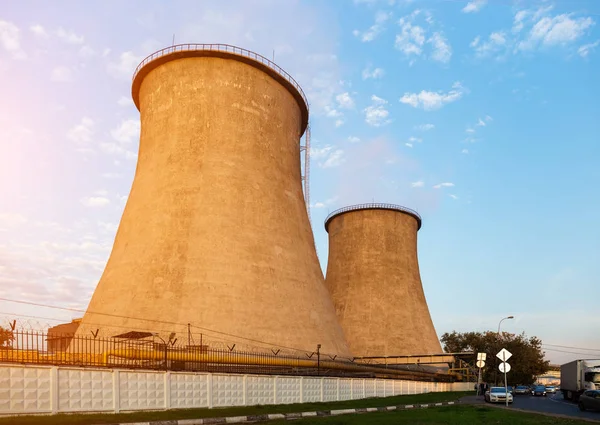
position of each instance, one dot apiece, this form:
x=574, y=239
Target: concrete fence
x=45, y=389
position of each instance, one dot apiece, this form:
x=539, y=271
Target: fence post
x=167, y=384
x=364, y=394
x=54, y=390
x=209, y=388
x=322, y=383
x=337, y=389
x=275, y=389
x=245, y=395
x=302, y=389
x=351, y=388
x=116, y=391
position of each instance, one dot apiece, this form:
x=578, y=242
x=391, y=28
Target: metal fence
x=37, y=347
x=374, y=206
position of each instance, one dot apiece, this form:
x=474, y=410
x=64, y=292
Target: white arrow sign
x=504, y=367
x=504, y=354
x=480, y=363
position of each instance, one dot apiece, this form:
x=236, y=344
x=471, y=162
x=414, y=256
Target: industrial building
x=215, y=232
x=374, y=280
x=215, y=237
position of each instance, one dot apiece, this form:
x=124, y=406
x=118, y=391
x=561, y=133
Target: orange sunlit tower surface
x=215, y=231
x=374, y=280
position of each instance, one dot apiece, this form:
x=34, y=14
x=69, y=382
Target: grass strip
x=451, y=415
x=111, y=418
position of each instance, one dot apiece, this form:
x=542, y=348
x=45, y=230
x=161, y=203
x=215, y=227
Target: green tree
x=527, y=359
x=6, y=337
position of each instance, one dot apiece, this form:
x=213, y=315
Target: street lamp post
x=496, y=372
x=507, y=317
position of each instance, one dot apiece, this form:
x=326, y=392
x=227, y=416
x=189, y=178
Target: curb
x=288, y=416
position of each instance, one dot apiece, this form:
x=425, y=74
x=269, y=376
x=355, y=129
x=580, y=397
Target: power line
x=569, y=352
x=574, y=348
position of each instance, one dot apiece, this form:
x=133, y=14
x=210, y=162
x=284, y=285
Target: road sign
x=480, y=363
x=504, y=367
x=504, y=354
x=481, y=356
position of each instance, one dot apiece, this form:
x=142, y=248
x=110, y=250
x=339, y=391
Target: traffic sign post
x=504, y=367
x=480, y=364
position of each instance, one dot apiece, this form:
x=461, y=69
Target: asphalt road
x=552, y=403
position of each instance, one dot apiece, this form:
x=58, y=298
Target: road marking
x=562, y=401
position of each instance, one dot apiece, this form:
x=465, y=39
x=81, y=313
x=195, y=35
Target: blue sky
x=481, y=115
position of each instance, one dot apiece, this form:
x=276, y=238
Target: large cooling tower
x=373, y=277
x=215, y=232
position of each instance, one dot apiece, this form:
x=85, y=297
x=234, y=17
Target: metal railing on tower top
x=374, y=206
x=222, y=48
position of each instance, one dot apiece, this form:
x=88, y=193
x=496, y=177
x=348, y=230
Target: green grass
x=93, y=419
x=452, y=415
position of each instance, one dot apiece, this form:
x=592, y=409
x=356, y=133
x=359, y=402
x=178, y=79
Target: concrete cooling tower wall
x=373, y=277
x=215, y=232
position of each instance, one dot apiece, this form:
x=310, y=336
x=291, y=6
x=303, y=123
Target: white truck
x=578, y=376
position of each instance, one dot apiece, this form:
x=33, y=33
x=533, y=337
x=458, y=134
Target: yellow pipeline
x=250, y=359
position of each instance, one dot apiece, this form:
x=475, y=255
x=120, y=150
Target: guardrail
x=374, y=206
x=222, y=48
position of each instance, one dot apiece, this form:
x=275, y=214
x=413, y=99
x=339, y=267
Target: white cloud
x=453, y=196
x=442, y=52
x=373, y=74
x=470, y=130
x=325, y=203
x=411, y=39
x=585, y=50
x=410, y=145
x=480, y=123
x=430, y=101
x=82, y=133
x=376, y=114
x=418, y=184
x=424, y=127
x=465, y=151
x=38, y=30
x=128, y=131
x=338, y=123
x=375, y=29
x=11, y=220
x=415, y=140
x=332, y=113
x=328, y=156
x=10, y=39
x=69, y=36
x=353, y=139
x=116, y=149
x=496, y=41
x=558, y=30
x=125, y=101
x=125, y=66
x=95, y=201
x=345, y=101
x=518, y=20
x=474, y=6
x=86, y=52
x=445, y=184
x=62, y=74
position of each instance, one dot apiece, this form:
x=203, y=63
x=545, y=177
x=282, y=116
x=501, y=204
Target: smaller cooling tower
x=373, y=277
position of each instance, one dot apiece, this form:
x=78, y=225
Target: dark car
x=539, y=390
x=589, y=400
x=521, y=389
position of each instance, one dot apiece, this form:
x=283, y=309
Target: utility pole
x=318, y=359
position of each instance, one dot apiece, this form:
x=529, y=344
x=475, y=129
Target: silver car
x=589, y=400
